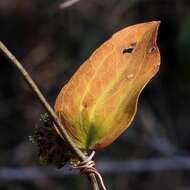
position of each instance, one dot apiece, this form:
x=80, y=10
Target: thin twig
x=59, y=127
x=68, y=3
x=42, y=99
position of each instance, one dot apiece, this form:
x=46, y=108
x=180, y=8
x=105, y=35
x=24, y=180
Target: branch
x=107, y=167
x=58, y=125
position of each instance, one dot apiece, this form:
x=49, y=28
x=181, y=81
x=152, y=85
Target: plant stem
x=49, y=109
x=93, y=182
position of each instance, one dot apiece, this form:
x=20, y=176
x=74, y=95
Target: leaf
x=100, y=100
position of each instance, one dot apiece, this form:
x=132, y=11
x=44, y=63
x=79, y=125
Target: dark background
x=51, y=43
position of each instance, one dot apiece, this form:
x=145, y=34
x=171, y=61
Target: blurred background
x=52, y=39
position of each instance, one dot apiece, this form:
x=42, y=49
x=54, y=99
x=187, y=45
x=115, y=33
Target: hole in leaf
x=151, y=50
x=129, y=49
